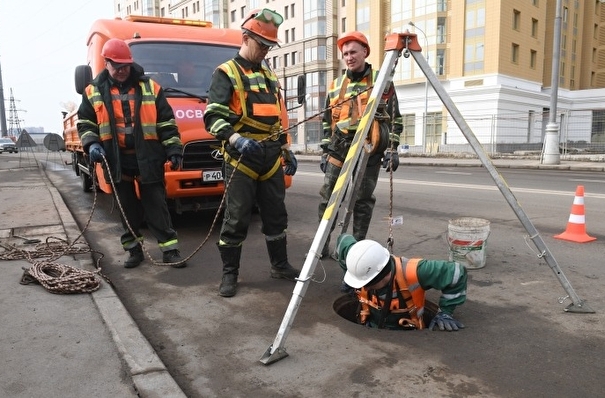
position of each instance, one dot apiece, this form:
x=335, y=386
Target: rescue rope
x=272, y=136
x=61, y=278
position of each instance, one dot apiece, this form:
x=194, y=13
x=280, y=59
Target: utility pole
x=3, y=129
x=14, y=129
x=551, y=137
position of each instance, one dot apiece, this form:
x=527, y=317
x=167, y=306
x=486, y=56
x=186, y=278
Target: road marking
x=454, y=172
x=474, y=186
x=585, y=180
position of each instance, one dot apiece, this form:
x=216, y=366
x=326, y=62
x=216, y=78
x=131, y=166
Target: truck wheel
x=86, y=182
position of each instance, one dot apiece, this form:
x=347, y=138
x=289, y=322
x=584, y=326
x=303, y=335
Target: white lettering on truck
x=189, y=113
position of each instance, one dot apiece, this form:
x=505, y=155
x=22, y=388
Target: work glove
x=96, y=153
x=175, y=162
x=445, y=322
x=390, y=156
x=291, y=162
x=247, y=146
x=323, y=163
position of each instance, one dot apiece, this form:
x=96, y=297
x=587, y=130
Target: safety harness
x=346, y=116
x=406, y=301
x=272, y=130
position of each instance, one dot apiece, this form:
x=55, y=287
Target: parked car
x=7, y=145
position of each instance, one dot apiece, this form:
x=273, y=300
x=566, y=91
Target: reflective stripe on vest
x=346, y=114
x=406, y=285
x=248, y=95
x=147, y=111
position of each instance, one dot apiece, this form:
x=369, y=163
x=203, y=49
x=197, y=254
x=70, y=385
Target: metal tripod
x=395, y=45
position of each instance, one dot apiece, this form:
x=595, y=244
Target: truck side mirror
x=83, y=77
x=302, y=89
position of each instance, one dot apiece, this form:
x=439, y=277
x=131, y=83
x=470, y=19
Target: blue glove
x=390, y=156
x=291, y=162
x=247, y=146
x=323, y=164
x=445, y=322
x=175, y=162
x=96, y=152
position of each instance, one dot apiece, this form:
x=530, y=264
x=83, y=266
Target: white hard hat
x=365, y=260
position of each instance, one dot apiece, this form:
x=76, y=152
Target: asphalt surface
x=75, y=345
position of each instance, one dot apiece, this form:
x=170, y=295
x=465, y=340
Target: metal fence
x=580, y=132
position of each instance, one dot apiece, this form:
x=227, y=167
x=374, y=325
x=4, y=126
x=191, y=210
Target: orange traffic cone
x=576, y=226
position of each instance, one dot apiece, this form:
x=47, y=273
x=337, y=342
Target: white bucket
x=467, y=238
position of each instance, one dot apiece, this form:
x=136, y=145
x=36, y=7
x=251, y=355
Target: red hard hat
x=117, y=51
x=263, y=24
x=353, y=36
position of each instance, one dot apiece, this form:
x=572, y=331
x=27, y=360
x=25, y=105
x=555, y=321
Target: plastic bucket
x=467, y=239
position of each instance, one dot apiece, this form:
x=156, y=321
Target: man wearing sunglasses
x=244, y=112
x=391, y=289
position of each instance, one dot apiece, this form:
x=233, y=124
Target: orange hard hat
x=117, y=51
x=353, y=36
x=263, y=25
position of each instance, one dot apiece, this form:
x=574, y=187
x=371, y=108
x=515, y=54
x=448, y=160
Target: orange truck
x=181, y=56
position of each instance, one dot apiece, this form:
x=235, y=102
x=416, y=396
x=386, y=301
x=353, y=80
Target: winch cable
x=65, y=279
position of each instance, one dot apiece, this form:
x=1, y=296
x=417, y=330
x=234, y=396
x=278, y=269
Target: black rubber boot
x=136, y=257
x=278, y=254
x=230, y=256
x=173, y=257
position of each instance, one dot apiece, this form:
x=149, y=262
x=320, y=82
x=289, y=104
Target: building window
x=293, y=56
x=287, y=36
x=292, y=11
x=440, y=64
x=343, y=25
x=233, y=16
x=408, y=135
x=286, y=12
x=534, y=28
x=243, y=12
x=516, y=19
x=533, y=58
x=515, y=54
x=293, y=34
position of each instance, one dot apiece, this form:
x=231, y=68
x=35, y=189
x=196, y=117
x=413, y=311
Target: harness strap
x=245, y=120
x=248, y=171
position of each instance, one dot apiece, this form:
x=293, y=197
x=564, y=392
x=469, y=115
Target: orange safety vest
x=147, y=111
x=256, y=98
x=346, y=113
x=406, y=288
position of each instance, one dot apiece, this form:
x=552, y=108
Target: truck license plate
x=213, y=175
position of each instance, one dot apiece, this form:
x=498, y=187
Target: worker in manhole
x=391, y=289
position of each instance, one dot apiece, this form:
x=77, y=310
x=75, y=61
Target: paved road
x=518, y=341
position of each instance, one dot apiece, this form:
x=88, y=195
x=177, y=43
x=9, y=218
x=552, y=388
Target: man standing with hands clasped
x=244, y=111
x=345, y=104
x=125, y=118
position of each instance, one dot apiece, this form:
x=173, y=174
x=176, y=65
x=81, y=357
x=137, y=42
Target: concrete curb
x=149, y=374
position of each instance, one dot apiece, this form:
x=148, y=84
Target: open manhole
x=347, y=306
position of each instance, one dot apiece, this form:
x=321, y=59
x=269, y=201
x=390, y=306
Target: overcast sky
x=41, y=43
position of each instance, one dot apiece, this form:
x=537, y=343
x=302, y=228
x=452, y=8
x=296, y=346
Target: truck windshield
x=183, y=66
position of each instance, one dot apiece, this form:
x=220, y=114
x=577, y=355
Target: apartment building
x=493, y=57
